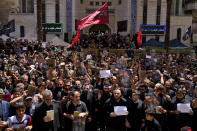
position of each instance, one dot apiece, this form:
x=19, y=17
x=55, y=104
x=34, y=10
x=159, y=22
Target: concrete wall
x=26, y=20
x=183, y=22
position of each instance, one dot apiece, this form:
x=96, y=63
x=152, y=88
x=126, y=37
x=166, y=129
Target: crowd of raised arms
x=47, y=88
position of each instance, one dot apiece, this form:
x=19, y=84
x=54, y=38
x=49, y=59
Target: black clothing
x=41, y=112
x=57, y=93
x=69, y=108
x=182, y=119
x=87, y=99
x=118, y=121
x=152, y=126
x=136, y=114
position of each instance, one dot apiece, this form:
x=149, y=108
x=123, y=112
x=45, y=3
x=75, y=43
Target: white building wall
x=50, y=16
x=26, y=20
x=182, y=22
x=139, y=20
x=151, y=15
x=62, y=17
x=163, y=17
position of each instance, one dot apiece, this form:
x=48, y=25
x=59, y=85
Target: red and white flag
x=139, y=38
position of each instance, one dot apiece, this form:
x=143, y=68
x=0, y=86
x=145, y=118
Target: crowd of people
x=46, y=88
x=108, y=41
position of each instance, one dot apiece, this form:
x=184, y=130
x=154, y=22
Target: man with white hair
x=21, y=86
x=41, y=120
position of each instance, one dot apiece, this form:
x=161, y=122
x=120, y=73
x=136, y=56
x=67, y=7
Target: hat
x=1, y=92
x=28, y=97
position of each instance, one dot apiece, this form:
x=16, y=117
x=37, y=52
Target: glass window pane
x=23, y=6
x=91, y=3
x=97, y=3
x=30, y=6
x=109, y=3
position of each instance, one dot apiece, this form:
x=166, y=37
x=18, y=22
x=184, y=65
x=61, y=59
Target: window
x=97, y=3
x=30, y=6
x=91, y=3
x=81, y=1
x=43, y=12
x=144, y=17
x=22, y=31
x=119, y=2
x=145, y=12
x=103, y=3
x=179, y=34
x=23, y=6
x=57, y=11
x=158, y=12
x=177, y=12
x=26, y=6
x=109, y=3
x=158, y=15
x=44, y=37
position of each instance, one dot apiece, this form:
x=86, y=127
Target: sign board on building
x=52, y=27
x=153, y=29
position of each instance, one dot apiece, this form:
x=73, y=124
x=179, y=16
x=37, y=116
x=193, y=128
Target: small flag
x=139, y=38
x=187, y=34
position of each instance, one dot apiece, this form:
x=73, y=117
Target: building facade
x=7, y=6
x=125, y=16
x=190, y=8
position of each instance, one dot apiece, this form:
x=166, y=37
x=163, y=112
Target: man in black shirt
x=75, y=113
x=181, y=118
x=42, y=122
x=151, y=124
x=87, y=97
x=114, y=121
x=136, y=112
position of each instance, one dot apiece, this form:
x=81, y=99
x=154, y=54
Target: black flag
x=8, y=28
x=187, y=34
